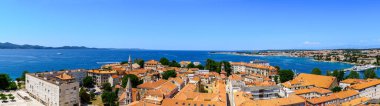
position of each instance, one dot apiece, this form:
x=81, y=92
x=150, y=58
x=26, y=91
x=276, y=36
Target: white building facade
x=52, y=91
x=369, y=89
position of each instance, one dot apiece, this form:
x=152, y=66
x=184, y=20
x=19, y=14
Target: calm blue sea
x=14, y=62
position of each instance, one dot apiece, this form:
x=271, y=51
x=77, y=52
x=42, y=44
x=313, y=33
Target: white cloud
x=311, y=43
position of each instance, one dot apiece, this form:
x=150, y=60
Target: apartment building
x=249, y=68
x=307, y=81
x=243, y=99
x=304, y=81
x=348, y=82
x=262, y=92
x=368, y=89
x=53, y=88
x=78, y=74
x=366, y=60
x=313, y=92
x=101, y=76
x=259, y=62
x=189, y=97
x=334, y=98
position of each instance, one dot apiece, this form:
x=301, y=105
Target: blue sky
x=192, y=24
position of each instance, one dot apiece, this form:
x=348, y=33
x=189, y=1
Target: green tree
x=4, y=81
x=338, y=74
x=170, y=73
x=370, y=74
x=328, y=73
x=12, y=86
x=276, y=79
x=88, y=82
x=316, y=71
x=92, y=95
x=212, y=65
x=191, y=65
x=84, y=96
x=227, y=67
x=134, y=80
x=107, y=87
x=116, y=91
x=174, y=64
x=285, y=75
x=201, y=67
x=22, y=77
x=336, y=89
x=353, y=75
x=277, y=67
x=140, y=62
x=164, y=61
x=109, y=98
x=124, y=62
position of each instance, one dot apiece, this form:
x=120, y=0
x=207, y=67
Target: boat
x=59, y=53
x=361, y=68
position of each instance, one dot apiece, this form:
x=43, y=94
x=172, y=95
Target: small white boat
x=361, y=68
x=59, y=53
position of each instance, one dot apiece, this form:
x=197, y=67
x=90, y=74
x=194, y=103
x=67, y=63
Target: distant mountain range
x=8, y=45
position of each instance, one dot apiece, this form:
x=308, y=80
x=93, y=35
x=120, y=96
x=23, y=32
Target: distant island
x=8, y=45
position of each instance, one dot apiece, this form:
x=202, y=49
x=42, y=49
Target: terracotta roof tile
x=352, y=81
x=152, y=85
x=235, y=77
x=322, y=99
x=151, y=62
x=175, y=102
x=167, y=88
x=289, y=101
x=346, y=94
x=65, y=76
x=311, y=79
x=365, y=85
x=355, y=102
x=311, y=90
x=115, y=76
x=253, y=65
x=102, y=71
